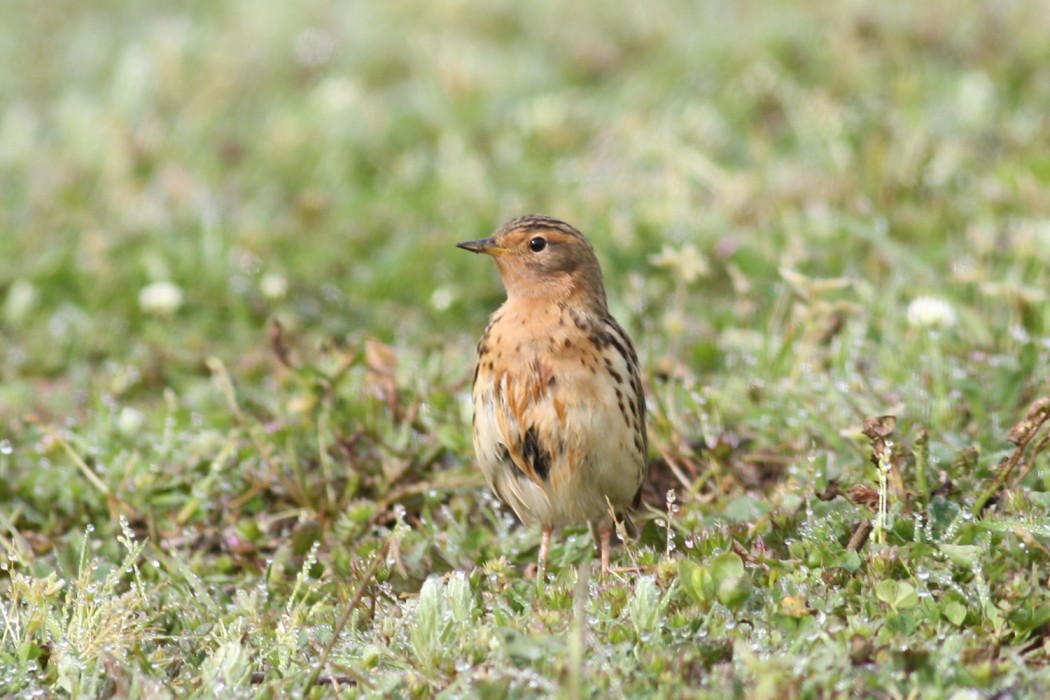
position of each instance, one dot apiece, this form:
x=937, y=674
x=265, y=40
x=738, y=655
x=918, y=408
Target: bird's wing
x=621, y=345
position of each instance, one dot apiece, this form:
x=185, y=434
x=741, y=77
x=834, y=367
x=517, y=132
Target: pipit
x=559, y=413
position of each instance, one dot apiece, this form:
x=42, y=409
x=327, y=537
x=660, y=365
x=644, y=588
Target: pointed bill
x=485, y=245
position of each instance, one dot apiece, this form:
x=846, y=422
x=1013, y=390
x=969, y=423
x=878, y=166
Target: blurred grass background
x=344, y=147
x=770, y=186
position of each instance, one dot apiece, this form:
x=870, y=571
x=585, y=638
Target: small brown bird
x=559, y=413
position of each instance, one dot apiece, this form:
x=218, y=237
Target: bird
x=559, y=426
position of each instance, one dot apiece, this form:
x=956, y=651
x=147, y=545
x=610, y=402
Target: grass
x=811, y=215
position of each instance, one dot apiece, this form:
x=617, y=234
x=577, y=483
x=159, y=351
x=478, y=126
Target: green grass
x=809, y=214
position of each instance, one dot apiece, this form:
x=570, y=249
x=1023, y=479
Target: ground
x=236, y=344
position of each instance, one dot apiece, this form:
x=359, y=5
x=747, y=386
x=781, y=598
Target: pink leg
x=605, y=543
x=545, y=543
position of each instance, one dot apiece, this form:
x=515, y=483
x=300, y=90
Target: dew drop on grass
x=5, y=447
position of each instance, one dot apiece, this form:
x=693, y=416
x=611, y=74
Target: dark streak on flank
x=502, y=453
x=538, y=459
x=639, y=400
x=618, y=337
x=621, y=348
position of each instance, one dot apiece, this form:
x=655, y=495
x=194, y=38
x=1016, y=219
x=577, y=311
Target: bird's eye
x=537, y=244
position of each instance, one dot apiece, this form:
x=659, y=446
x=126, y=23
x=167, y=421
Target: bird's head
x=544, y=259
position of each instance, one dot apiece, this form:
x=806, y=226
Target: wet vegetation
x=236, y=343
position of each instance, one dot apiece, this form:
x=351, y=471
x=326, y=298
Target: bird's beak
x=485, y=245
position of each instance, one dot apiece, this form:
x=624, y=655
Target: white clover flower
x=442, y=298
x=930, y=312
x=130, y=421
x=21, y=300
x=273, y=286
x=160, y=298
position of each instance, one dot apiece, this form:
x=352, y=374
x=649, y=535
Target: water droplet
x=5, y=447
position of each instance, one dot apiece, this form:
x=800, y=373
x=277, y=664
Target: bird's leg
x=545, y=543
x=604, y=544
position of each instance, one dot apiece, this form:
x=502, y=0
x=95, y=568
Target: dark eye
x=537, y=244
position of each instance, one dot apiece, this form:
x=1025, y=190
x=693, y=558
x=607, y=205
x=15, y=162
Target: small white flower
x=442, y=298
x=273, y=286
x=130, y=421
x=21, y=300
x=930, y=312
x=160, y=298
